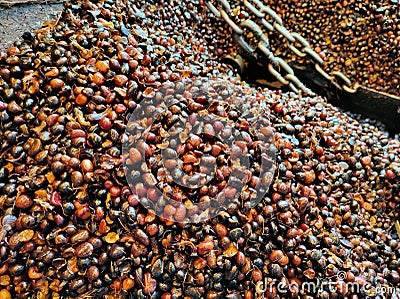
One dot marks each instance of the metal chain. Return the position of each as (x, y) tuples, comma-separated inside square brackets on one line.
[(272, 22)]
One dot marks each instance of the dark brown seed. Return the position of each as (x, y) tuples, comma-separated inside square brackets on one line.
[(93, 273), (142, 237), (84, 250), (116, 251), (80, 236)]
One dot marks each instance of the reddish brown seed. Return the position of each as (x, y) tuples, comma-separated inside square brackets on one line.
[(390, 174), (174, 77), (128, 284), (256, 275), (115, 191), (218, 125), (133, 200), (181, 149), (112, 115), (52, 119), (77, 133), (3, 268), (142, 237), (215, 150), (188, 168), (146, 60), (33, 273), (366, 161), (135, 156), (248, 294), (153, 193), (164, 76), (230, 248), (166, 295), (81, 99), (140, 189), (105, 123), (240, 258), (199, 279), (133, 64), (59, 220), (152, 229), (309, 177), (350, 276), (189, 158), (149, 284), (180, 213), (56, 83), (26, 235), (74, 162), (211, 259), (230, 192), (98, 78), (14, 241), (76, 178), (122, 55), (367, 206), (99, 213), (116, 285), (309, 273), (83, 212), (114, 63), (102, 66), (120, 80), (55, 199), (278, 108), (87, 165), (150, 217), (169, 210), (194, 140), (23, 201), (284, 260), (276, 255), (209, 130), (205, 247), (52, 73), (220, 230), (120, 108), (103, 228), (200, 263)]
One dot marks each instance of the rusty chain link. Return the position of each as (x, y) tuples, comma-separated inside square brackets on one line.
[(270, 20)]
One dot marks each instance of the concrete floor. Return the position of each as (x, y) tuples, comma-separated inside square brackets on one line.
[(16, 20)]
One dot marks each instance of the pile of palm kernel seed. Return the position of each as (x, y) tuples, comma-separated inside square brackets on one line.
[(71, 225)]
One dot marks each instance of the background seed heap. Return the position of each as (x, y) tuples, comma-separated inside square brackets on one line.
[(72, 227), (359, 38)]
